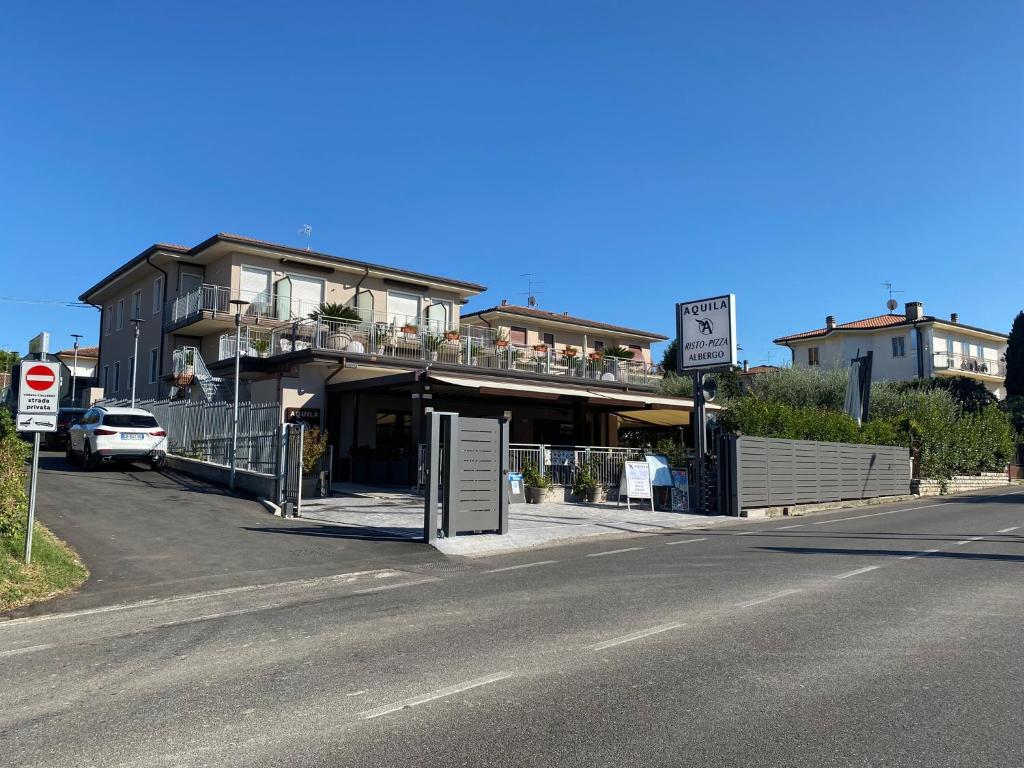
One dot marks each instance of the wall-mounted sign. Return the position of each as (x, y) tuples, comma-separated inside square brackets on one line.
[(706, 330), (308, 416)]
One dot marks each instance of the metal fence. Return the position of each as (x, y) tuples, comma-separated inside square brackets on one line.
[(562, 462), (202, 430)]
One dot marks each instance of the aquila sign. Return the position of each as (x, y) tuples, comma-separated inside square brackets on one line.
[(706, 330)]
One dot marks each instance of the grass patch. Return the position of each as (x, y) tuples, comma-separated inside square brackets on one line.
[(55, 569)]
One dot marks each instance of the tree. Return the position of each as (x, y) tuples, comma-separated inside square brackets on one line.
[(669, 358), (1015, 358)]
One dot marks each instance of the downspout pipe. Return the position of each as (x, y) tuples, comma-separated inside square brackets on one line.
[(163, 303), (366, 274), (920, 350)]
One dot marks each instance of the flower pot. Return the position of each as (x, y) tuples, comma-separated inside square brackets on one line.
[(502, 343), (452, 336), (534, 495), (590, 495), (309, 486), (409, 329), (540, 348)]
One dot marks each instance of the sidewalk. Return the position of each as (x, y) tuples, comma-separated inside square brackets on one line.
[(530, 525)]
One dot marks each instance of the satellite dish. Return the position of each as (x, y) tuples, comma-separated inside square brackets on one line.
[(892, 304), (710, 390)]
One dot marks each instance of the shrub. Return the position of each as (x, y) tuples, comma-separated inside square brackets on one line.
[(533, 478), (13, 499), (314, 446)]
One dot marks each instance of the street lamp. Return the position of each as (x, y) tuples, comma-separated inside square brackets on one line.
[(238, 305), (135, 356), (74, 372)]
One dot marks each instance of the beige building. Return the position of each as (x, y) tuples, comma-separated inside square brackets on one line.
[(363, 349), (906, 346)]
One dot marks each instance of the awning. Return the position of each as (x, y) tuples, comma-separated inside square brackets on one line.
[(656, 417), (634, 399), (493, 386)]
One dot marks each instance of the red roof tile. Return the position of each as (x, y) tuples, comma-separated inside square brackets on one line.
[(878, 321)]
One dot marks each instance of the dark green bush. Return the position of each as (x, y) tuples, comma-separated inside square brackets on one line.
[(13, 499)]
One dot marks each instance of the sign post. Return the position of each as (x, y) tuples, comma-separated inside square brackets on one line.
[(38, 401), (706, 341)]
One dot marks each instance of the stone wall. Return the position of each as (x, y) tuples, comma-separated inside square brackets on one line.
[(959, 483)]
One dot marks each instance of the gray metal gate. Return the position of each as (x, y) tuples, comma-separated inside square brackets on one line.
[(466, 468), (291, 469)]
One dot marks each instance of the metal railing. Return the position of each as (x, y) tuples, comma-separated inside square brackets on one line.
[(423, 340), (561, 463), (944, 361), (260, 305), (202, 430)]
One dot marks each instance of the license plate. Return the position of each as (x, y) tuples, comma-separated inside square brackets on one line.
[(131, 436)]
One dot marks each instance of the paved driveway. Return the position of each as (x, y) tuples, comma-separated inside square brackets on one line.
[(146, 534)]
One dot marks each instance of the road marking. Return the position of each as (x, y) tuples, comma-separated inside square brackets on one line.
[(859, 571), (415, 701), (787, 527), (635, 636), (524, 565), (919, 554), (745, 533), (776, 596), (319, 580), (1007, 530), (386, 587), (968, 541), (29, 649), (685, 541), (614, 552), (877, 514)]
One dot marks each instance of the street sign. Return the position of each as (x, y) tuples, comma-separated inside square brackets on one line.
[(34, 422), (39, 390), (39, 345), (706, 333)]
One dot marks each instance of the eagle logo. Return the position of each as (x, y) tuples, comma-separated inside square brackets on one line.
[(705, 326)]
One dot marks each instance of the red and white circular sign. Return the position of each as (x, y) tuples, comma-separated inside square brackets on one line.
[(40, 378)]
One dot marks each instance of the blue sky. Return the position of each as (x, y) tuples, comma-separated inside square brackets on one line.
[(629, 155)]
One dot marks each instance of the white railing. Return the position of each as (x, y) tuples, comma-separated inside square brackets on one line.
[(561, 463), (216, 299), (969, 364)]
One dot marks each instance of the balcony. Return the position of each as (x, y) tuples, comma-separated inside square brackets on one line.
[(419, 341), (968, 365), (212, 303)]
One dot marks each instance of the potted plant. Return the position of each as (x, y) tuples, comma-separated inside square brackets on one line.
[(314, 446), (541, 348), (594, 356), (570, 351), (452, 336), (410, 329), (432, 342), (535, 484), (585, 483), (501, 338), (260, 346), (332, 311), (619, 353)]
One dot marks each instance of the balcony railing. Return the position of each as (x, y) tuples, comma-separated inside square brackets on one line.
[(216, 299), (423, 340), (969, 364)]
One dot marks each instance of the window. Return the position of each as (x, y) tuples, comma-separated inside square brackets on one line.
[(965, 349), (598, 346), (254, 287), (136, 305), (106, 378), (812, 356), (549, 339), (949, 347), (439, 316), (638, 352), (189, 282), (307, 295), (364, 303), (117, 377), (899, 346), (130, 420), (403, 307), (158, 294), (110, 318), (517, 335), (393, 433), (154, 360), (120, 314)]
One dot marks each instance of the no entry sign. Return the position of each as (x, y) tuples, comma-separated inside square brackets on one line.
[(39, 392)]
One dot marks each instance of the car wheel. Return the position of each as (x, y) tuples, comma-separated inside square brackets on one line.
[(158, 463), (88, 459)]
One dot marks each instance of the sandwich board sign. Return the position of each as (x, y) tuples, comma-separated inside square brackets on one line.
[(706, 330), (38, 394), (635, 483)]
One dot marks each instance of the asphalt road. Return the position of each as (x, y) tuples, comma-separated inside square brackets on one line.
[(879, 636), (147, 535)]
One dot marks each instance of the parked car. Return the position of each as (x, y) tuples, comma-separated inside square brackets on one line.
[(107, 434), (65, 418)]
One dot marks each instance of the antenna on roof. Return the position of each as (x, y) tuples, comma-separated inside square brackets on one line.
[(531, 294), (307, 231), (891, 304)]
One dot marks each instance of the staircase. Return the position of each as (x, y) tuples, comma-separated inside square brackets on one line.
[(190, 369)]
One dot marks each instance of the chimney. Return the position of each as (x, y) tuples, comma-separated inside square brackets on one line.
[(504, 302), (830, 322), (915, 310), (746, 366), (954, 317)]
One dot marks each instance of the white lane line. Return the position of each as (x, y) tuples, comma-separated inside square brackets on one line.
[(614, 552), (857, 572), (787, 527), (1007, 530), (524, 565), (415, 701), (29, 649), (919, 554), (968, 541), (386, 587), (685, 541), (317, 581), (745, 533), (776, 596), (877, 514), (635, 636)]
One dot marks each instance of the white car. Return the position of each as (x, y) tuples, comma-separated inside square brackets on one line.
[(106, 434)]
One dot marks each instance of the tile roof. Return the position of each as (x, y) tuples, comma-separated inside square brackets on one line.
[(868, 323), (756, 369), (543, 314), (82, 352)]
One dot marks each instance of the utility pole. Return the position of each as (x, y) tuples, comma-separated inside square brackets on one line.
[(135, 356), (74, 372)]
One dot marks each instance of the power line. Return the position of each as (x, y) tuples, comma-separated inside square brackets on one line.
[(47, 302)]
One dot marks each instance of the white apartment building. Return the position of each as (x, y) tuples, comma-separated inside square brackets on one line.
[(906, 346)]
